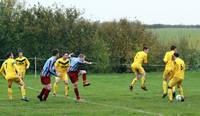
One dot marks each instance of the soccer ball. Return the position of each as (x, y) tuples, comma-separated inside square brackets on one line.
[(179, 98)]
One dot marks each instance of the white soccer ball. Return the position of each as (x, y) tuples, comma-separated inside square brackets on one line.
[(179, 98)]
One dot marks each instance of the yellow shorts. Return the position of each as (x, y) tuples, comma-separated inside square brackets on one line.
[(137, 69), (64, 77), (168, 73), (22, 73), (175, 81), (15, 79)]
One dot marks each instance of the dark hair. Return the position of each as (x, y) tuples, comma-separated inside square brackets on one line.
[(145, 48), (55, 52), (8, 54), (176, 54), (173, 47)]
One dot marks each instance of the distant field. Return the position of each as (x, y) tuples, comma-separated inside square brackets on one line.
[(107, 96), (177, 33)]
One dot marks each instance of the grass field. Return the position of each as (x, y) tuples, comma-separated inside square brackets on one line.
[(107, 96)]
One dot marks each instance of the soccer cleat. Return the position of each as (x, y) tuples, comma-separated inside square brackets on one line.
[(25, 99), (164, 95), (54, 94), (174, 95), (144, 88), (131, 88), (86, 84), (40, 98), (182, 99)]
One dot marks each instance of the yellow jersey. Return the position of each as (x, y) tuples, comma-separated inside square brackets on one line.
[(22, 63), (179, 68), (9, 69), (62, 65), (168, 60), (140, 58)]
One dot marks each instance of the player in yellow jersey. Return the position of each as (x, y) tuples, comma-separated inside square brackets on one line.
[(22, 64), (61, 67), (168, 72), (139, 59), (177, 78), (10, 71)]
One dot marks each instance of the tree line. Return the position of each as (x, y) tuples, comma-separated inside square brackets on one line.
[(112, 45)]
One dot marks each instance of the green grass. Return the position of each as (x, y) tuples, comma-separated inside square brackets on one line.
[(107, 96)]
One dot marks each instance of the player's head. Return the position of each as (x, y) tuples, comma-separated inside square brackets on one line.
[(9, 55), (82, 57), (55, 52), (173, 47), (20, 53), (65, 56), (146, 49), (176, 55)]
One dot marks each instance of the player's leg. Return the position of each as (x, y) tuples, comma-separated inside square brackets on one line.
[(180, 89), (143, 78), (166, 75), (74, 79), (134, 81), (84, 77), (20, 82), (47, 91), (10, 89), (55, 85), (65, 79), (171, 84)]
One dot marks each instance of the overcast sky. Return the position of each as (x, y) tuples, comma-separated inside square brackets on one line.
[(147, 11)]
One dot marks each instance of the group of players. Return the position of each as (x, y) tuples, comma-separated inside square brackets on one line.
[(173, 74), (66, 66), (62, 68)]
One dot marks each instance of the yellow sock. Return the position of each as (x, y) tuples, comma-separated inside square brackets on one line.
[(170, 94), (10, 93), (55, 88), (23, 91), (134, 81), (180, 90), (164, 85), (143, 81), (66, 90)]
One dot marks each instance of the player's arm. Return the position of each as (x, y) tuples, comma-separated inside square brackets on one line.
[(145, 59), (50, 68), (71, 54), (165, 59), (2, 70), (86, 62), (27, 64)]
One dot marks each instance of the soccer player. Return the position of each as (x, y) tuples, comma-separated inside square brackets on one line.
[(61, 67), (178, 77), (83, 72), (169, 66), (47, 71), (10, 71), (139, 59), (22, 64), (74, 70)]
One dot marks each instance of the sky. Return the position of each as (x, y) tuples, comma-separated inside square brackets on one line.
[(146, 11)]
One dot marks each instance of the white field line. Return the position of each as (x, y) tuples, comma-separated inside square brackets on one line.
[(107, 105)]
